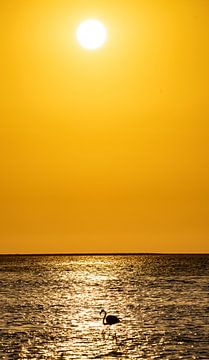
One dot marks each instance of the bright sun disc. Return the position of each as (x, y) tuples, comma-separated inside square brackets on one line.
[(91, 34)]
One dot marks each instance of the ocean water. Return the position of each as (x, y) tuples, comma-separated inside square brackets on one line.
[(50, 307)]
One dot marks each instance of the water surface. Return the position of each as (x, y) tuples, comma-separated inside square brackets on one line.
[(50, 307)]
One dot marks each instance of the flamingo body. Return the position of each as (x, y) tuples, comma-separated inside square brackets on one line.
[(109, 319)]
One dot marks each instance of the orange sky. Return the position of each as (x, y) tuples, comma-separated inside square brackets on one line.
[(104, 151)]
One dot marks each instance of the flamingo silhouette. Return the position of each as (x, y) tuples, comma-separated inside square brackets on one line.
[(109, 319)]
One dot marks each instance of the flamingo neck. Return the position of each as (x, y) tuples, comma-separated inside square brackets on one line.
[(105, 314)]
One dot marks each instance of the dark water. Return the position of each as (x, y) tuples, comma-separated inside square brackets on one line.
[(50, 307)]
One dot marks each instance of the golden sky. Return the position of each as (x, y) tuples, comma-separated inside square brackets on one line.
[(105, 150)]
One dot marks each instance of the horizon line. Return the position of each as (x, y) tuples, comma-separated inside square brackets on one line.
[(105, 254)]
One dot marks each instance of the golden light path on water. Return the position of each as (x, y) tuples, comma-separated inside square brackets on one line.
[(50, 307)]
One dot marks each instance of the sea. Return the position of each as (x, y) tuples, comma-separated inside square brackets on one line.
[(50, 307)]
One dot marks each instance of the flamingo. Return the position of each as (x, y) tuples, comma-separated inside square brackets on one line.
[(109, 319)]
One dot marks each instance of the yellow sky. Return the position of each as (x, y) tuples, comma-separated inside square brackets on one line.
[(104, 151)]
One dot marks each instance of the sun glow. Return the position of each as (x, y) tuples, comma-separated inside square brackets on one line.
[(91, 34)]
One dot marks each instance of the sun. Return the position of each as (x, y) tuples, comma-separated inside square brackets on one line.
[(91, 34)]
